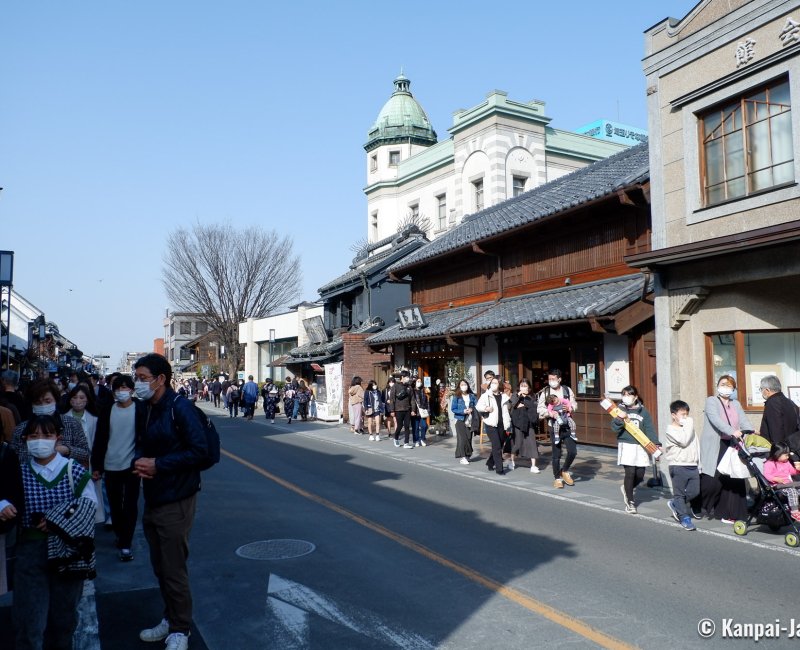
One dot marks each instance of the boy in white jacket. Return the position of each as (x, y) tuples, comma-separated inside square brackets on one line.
[(682, 451)]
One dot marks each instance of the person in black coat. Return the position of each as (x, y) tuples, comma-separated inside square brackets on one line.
[(780, 413), (12, 499)]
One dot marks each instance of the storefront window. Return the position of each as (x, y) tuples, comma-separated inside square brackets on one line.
[(588, 367), (750, 356)]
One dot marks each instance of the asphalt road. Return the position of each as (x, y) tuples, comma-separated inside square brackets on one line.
[(408, 556)]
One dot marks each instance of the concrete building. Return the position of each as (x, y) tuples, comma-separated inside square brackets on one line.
[(179, 329), (496, 150), (721, 83), (268, 340)]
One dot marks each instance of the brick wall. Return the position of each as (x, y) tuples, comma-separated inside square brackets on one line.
[(358, 360)]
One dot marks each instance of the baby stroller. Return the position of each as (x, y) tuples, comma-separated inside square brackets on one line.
[(771, 508)]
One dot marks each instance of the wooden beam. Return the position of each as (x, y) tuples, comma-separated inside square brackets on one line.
[(633, 315)]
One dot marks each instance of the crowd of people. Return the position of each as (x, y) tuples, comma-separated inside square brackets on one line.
[(76, 452), (513, 419)]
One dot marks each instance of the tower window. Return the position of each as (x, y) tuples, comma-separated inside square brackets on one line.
[(373, 163), (441, 215), (518, 185), (394, 158), (478, 191)]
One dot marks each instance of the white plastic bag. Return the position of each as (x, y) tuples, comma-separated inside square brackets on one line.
[(731, 465)]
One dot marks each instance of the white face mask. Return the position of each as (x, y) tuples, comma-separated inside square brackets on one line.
[(463, 388), (725, 391), (683, 421), (143, 390), (41, 448), (122, 395), (44, 409), (494, 387), (629, 400), (419, 384), (71, 385), (524, 389), (554, 384)]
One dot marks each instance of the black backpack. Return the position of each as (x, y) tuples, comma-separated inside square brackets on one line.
[(212, 437)]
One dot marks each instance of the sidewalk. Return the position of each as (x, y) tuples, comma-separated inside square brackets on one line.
[(597, 476)]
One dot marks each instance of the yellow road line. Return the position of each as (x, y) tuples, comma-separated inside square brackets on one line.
[(550, 613)]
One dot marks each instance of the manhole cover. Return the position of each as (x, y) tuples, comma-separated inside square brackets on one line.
[(275, 549)]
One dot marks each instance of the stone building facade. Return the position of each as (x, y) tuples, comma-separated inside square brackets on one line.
[(722, 82)]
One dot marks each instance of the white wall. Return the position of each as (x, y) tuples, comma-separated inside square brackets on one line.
[(617, 363)]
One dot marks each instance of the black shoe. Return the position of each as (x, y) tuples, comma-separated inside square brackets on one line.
[(501, 473), (490, 468)]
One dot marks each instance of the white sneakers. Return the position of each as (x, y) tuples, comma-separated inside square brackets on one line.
[(423, 443), (534, 469), (177, 641), (464, 461), (157, 633), (371, 438), (408, 445)]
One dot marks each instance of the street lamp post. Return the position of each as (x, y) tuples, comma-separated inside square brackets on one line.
[(7, 281), (271, 343)]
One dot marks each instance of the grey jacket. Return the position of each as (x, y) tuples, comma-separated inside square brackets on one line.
[(717, 431)]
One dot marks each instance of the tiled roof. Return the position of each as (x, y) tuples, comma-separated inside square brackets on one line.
[(624, 169), (315, 351), (318, 351), (439, 322), (593, 299), (374, 263)]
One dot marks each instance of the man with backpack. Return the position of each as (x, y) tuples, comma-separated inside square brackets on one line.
[(561, 474), (172, 446), (249, 397)]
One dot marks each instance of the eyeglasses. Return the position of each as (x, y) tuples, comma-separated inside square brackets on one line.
[(143, 378)]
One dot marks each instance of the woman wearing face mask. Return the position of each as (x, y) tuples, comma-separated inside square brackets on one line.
[(45, 605), (523, 422), (43, 397), (373, 408), (112, 459), (420, 406), (82, 409), (462, 406), (388, 400), (493, 406), (721, 496), (630, 454)]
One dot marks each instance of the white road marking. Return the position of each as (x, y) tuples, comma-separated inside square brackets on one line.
[(87, 634), (291, 603)]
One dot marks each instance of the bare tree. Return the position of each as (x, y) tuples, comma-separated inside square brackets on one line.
[(228, 274)]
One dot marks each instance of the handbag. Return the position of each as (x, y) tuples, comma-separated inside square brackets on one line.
[(368, 411), (731, 465), (423, 413)]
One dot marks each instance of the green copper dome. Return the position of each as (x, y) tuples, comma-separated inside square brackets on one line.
[(401, 120)]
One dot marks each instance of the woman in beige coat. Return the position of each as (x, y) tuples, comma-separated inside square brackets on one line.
[(356, 405)]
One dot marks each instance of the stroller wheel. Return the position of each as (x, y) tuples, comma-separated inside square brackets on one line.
[(791, 540), (740, 527)]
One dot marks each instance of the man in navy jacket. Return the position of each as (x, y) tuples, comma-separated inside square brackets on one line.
[(170, 445)]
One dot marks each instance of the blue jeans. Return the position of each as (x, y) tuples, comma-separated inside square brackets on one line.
[(295, 408), (419, 427)]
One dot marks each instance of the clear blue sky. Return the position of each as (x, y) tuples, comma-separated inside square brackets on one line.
[(121, 121)]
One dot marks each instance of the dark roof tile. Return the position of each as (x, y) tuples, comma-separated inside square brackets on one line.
[(626, 168)]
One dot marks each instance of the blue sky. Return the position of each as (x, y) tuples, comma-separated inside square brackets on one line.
[(122, 121)]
